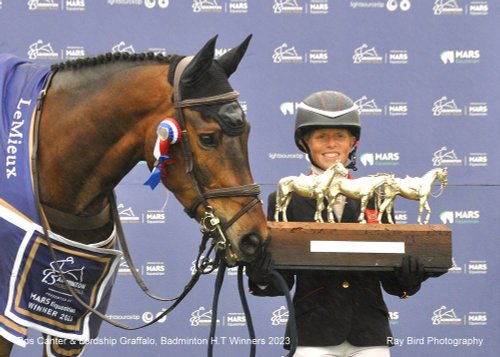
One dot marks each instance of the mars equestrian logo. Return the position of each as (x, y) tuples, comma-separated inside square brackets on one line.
[(460, 56), (477, 267), (380, 159), (460, 217), (74, 52)]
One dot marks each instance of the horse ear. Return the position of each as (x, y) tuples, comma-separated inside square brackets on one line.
[(200, 63), (230, 60)]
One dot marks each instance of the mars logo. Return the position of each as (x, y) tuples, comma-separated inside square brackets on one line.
[(478, 8), (478, 109), (398, 109), (74, 52), (398, 57), (380, 159), (75, 5), (477, 319), (460, 217), (477, 267), (238, 7), (478, 159), (280, 316), (155, 268), (318, 56), (236, 319), (317, 7), (460, 56)]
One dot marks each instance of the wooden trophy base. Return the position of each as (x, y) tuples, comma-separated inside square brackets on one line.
[(352, 246)]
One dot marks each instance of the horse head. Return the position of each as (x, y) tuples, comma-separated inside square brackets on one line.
[(211, 175), (442, 176), (118, 109)]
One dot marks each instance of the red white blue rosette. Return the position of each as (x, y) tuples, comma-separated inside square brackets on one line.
[(168, 132)]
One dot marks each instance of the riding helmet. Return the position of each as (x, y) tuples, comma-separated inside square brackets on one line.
[(327, 109)]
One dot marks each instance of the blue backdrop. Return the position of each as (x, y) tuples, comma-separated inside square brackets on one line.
[(425, 75)]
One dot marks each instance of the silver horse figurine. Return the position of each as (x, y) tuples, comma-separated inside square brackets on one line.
[(312, 186), (413, 188), (362, 189)]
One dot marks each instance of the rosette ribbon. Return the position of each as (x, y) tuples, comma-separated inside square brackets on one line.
[(168, 132)]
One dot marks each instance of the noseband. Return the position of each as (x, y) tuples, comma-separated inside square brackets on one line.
[(211, 224)]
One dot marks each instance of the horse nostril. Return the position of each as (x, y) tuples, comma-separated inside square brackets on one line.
[(250, 243)]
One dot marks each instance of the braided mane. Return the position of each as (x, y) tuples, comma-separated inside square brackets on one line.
[(113, 58)]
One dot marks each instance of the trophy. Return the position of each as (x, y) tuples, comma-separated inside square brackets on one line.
[(351, 246)]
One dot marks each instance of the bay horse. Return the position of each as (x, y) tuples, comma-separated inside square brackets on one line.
[(309, 186), (100, 116), (362, 188), (412, 188)]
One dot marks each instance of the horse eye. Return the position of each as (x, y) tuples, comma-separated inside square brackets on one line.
[(208, 140)]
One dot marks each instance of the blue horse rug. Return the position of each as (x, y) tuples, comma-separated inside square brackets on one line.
[(32, 292)]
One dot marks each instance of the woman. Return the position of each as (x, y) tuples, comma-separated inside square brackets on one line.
[(338, 313)]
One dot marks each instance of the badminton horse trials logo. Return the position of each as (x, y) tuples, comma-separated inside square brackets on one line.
[(74, 276)]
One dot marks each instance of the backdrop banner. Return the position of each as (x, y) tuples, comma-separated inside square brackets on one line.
[(425, 77)]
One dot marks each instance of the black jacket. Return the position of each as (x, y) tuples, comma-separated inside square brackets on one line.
[(334, 306)]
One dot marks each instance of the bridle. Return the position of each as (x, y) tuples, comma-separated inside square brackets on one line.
[(210, 224)]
